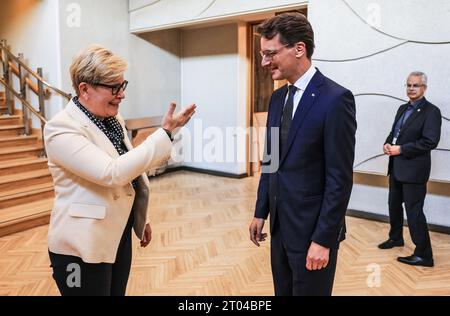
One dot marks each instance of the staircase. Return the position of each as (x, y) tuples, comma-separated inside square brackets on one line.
[(26, 186)]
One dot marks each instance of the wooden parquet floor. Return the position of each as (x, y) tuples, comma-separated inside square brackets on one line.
[(200, 247)]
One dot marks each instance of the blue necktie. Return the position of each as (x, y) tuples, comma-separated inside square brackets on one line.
[(286, 120), (399, 125)]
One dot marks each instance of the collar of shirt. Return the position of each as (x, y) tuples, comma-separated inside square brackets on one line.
[(416, 103), (301, 85), (304, 80)]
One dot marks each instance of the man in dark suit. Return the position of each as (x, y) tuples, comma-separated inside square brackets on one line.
[(307, 171), (415, 132)]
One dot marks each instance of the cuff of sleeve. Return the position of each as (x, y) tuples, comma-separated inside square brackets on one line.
[(168, 134), (327, 240), (263, 215)]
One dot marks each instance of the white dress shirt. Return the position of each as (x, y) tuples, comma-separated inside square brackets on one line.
[(301, 85)]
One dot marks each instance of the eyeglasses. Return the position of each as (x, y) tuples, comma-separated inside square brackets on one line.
[(115, 89), (269, 54), (413, 86)]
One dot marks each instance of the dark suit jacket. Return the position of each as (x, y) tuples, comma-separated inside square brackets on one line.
[(309, 191), (419, 135)]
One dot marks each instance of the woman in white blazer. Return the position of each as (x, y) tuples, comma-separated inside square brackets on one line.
[(101, 189)]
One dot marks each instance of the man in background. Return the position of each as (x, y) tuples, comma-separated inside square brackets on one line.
[(415, 132)]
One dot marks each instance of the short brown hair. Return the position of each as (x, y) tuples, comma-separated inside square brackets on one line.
[(293, 27), (96, 64)]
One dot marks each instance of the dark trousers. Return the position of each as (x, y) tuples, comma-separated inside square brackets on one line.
[(290, 276), (77, 278), (413, 195)]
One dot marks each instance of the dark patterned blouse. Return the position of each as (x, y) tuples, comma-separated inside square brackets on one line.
[(111, 127)]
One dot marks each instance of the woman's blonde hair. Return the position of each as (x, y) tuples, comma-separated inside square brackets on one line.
[(96, 64)]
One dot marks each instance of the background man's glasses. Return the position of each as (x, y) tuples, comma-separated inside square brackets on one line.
[(115, 89), (413, 86)]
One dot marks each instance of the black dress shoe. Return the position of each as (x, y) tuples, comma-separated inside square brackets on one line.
[(390, 243), (416, 261)]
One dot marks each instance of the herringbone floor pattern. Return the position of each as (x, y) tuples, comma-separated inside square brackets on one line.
[(200, 247)]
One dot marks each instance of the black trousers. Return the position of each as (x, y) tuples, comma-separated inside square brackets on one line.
[(413, 195), (77, 278), (290, 276)]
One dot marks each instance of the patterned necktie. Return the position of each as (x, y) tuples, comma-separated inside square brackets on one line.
[(286, 120)]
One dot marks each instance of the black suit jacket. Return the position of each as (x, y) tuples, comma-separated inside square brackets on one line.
[(419, 135), (309, 191)]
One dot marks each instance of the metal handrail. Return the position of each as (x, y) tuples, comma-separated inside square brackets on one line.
[(25, 102), (33, 73)]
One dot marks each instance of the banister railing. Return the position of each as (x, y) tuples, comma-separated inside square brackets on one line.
[(16, 65), (25, 102), (36, 75), (26, 105), (15, 70), (29, 107)]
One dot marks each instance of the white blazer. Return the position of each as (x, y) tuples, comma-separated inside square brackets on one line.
[(93, 191)]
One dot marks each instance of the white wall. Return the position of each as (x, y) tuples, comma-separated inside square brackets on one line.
[(154, 63), (155, 72), (147, 15), (212, 69), (354, 40), (343, 35), (34, 31), (51, 32)]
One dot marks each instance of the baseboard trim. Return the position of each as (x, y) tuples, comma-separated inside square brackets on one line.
[(206, 171), (385, 219)]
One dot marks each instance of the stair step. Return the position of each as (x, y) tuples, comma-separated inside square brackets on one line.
[(14, 181), (21, 217), (19, 165), (21, 140), (26, 195), (11, 130), (10, 120), (21, 190), (10, 153)]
